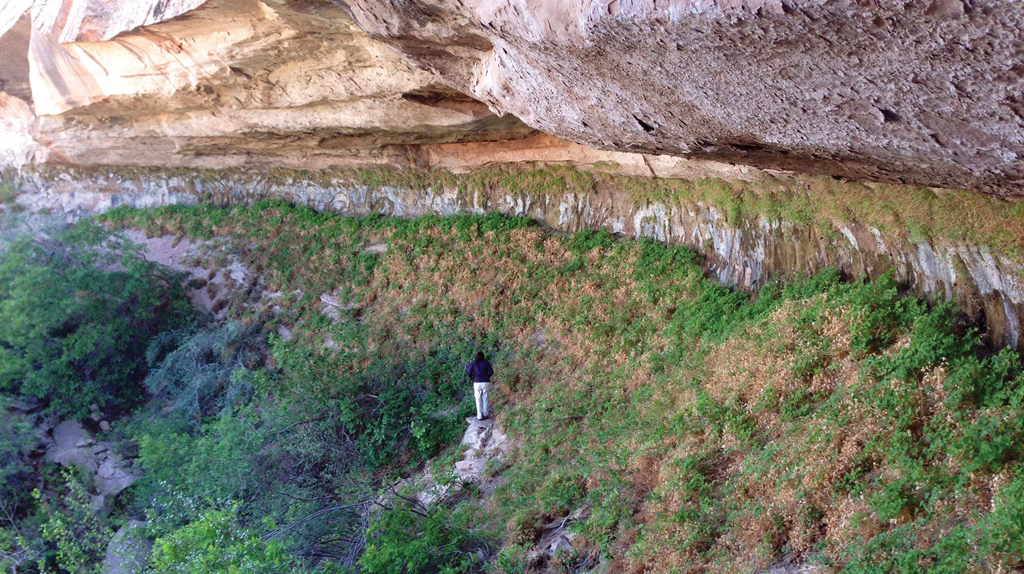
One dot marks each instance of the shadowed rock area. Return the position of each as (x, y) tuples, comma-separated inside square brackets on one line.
[(923, 92)]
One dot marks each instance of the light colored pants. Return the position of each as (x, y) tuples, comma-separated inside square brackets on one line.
[(480, 394)]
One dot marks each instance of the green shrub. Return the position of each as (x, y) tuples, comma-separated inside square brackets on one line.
[(74, 527), (405, 540), (1007, 523), (8, 194), (216, 543), (76, 314), (17, 440), (216, 464), (204, 372)]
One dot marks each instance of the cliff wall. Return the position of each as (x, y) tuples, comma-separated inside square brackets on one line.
[(742, 247), (895, 91), (876, 91)]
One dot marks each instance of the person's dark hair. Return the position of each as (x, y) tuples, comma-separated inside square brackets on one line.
[(480, 355)]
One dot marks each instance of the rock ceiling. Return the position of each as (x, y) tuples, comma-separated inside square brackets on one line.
[(925, 92)]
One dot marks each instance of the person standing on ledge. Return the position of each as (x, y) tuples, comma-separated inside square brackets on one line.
[(480, 372)]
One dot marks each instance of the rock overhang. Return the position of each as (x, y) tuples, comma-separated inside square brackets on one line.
[(925, 93)]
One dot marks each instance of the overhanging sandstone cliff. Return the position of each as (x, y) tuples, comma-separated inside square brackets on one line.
[(892, 92), (230, 83), (928, 92), (925, 93)]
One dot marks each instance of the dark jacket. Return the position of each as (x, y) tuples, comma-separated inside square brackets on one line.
[(479, 371)]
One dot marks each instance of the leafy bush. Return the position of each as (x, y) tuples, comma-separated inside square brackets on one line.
[(1007, 522), (76, 314), (73, 527), (216, 543), (17, 439), (206, 468), (398, 408), (404, 540)]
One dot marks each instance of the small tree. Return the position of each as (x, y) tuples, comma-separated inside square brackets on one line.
[(73, 526), (413, 540), (77, 311)]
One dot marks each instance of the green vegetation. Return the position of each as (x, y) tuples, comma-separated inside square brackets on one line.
[(78, 308), (76, 534), (671, 424), (8, 193), (817, 202), (216, 543), (822, 203), (76, 315), (421, 541), (16, 439), (685, 426)]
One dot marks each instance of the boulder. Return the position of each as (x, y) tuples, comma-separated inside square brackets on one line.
[(25, 405), (470, 470), (128, 551), (72, 446), (113, 475), (474, 436)]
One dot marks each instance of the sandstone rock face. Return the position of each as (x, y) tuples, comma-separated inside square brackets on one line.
[(928, 92), (895, 90), (91, 20), (17, 124), (230, 83)]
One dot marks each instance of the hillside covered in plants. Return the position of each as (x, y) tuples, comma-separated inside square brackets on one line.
[(661, 421)]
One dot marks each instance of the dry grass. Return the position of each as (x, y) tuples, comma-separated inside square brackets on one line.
[(693, 453)]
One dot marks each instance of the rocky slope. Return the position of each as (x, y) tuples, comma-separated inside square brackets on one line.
[(743, 247), (923, 92)]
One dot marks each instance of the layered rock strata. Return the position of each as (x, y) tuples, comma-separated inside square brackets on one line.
[(986, 286), (928, 92), (885, 91), (230, 83)]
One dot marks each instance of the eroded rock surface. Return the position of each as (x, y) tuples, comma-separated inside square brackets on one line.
[(486, 443), (128, 551), (925, 92), (232, 82), (91, 20), (73, 445), (207, 289)]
